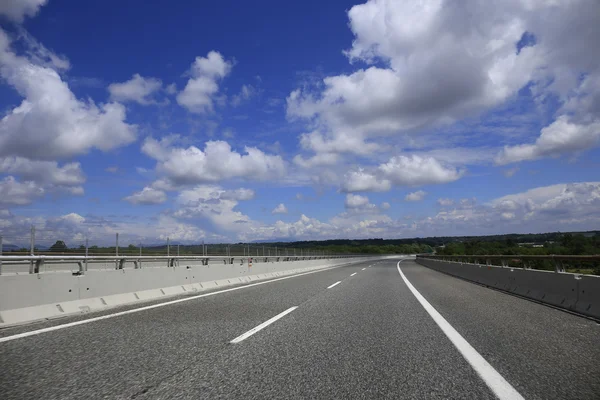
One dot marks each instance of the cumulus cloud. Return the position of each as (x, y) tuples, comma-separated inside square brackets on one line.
[(423, 64), (562, 136), (137, 89), (280, 209), (445, 202), (197, 96), (147, 196), (214, 205), (355, 201), (363, 181), (43, 172), (415, 196), (51, 115), (415, 170), (217, 162), (245, 94), (15, 193), (17, 10), (385, 205)]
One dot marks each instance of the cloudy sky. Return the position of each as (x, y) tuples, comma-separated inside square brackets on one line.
[(241, 121)]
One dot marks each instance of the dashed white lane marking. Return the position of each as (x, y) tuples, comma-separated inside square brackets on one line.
[(167, 303), (353, 274), (335, 284), (263, 325), (363, 269), (497, 384)]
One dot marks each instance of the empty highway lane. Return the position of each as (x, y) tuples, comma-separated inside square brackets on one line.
[(384, 329)]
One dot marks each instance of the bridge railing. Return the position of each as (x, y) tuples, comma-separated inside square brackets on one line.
[(80, 263), (558, 263)]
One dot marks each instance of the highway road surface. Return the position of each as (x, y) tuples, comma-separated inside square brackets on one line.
[(365, 331)]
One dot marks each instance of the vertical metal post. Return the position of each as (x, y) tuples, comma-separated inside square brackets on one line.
[(117, 250), (0, 254), (32, 241), (86, 253), (31, 249), (140, 249)]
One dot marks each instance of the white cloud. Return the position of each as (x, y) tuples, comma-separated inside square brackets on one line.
[(138, 89), (245, 94), (356, 201), (280, 209), (64, 125), (197, 96), (43, 172), (415, 170), (171, 89), (17, 10), (445, 202), (216, 163), (147, 196), (430, 63), (415, 196), (15, 193), (215, 205), (509, 173), (112, 169), (363, 181), (317, 160), (562, 136), (385, 205)]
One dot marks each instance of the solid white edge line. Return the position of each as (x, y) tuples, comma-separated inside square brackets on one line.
[(494, 381), (263, 325), (335, 284), (167, 303), (353, 274)]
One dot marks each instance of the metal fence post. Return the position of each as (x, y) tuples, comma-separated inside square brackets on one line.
[(117, 250), (31, 249), (86, 253)]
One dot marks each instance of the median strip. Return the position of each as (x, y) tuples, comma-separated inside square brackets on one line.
[(263, 325)]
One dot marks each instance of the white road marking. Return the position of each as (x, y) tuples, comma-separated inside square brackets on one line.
[(353, 274), (363, 269), (497, 384), (263, 325), (167, 303), (335, 284)]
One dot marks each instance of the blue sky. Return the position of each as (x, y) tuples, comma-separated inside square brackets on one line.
[(237, 121)]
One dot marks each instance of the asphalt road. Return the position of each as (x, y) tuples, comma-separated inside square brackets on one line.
[(367, 336)]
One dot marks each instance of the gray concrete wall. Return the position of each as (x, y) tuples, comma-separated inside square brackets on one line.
[(29, 297), (579, 293)]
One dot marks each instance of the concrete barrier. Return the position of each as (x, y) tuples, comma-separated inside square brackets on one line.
[(31, 297), (574, 292)]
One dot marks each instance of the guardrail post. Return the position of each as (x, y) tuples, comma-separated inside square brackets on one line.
[(558, 266)]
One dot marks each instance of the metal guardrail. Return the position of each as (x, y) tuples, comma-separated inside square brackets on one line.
[(36, 262), (524, 260)]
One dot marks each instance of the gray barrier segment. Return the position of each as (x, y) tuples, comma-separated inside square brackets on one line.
[(578, 293), (31, 297)]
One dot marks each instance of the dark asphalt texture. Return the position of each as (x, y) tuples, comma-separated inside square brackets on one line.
[(367, 337)]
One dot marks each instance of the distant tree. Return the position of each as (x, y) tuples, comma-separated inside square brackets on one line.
[(132, 247), (58, 246)]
